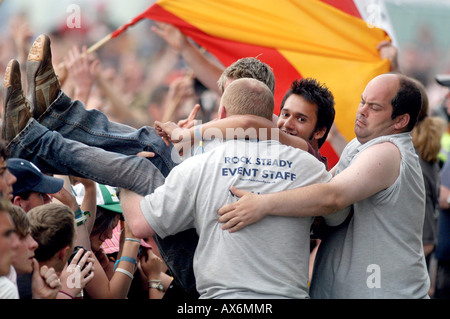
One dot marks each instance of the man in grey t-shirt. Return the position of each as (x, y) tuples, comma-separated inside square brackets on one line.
[(379, 252), (268, 260)]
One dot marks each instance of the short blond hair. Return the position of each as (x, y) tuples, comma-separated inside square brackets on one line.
[(248, 96), (248, 68)]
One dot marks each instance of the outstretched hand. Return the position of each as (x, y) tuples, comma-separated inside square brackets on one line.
[(171, 132), (190, 120), (249, 209), (390, 52), (171, 35)]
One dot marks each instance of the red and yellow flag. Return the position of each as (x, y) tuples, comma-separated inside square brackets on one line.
[(324, 39)]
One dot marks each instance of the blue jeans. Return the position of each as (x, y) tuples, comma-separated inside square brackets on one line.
[(54, 154), (59, 145), (73, 121)]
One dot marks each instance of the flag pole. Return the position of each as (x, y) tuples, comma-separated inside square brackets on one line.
[(99, 44)]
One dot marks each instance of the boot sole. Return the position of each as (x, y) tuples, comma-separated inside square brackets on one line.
[(35, 57), (13, 65), (37, 49), (7, 78), (7, 92)]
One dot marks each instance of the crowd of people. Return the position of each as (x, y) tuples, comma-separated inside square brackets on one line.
[(104, 196)]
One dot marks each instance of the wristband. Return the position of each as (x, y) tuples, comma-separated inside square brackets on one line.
[(81, 217), (133, 239), (65, 293), (125, 258), (126, 272), (78, 213), (81, 220), (129, 259), (200, 144)]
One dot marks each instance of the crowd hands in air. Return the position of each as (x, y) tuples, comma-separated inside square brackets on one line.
[(122, 240)]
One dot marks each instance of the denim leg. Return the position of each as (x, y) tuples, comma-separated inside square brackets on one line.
[(54, 154), (178, 254), (73, 121)]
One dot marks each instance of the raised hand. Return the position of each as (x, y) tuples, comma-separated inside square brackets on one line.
[(190, 120), (171, 35), (45, 282)]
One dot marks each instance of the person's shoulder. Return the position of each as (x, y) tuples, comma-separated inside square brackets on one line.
[(383, 146), (381, 153), (7, 289)]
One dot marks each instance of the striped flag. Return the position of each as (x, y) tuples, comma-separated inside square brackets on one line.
[(324, 39)]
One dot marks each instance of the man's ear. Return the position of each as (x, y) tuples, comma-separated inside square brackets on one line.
[(401, 122), (223, 113), (64, 253), (17, 201), (318, 134)]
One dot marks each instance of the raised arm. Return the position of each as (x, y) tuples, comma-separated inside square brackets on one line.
[(131, 207), (205, 70), (239, 126), (375, 169)]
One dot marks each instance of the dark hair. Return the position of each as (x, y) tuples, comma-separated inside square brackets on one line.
[(408, 100), (103, 220), (314, 92), (25, 195)]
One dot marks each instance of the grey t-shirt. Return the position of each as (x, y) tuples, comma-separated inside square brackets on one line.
[(379, 252), (268, 259)]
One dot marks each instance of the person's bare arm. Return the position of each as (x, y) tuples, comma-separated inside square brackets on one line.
[(131, 206), (80, 67), (390, 52), (239, 126), (89, 203), (375, 169), (205, 70)]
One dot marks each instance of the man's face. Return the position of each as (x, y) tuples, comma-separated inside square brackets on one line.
[(6, 180), (8, 242), (373, 117), (299, 118), (35, 199), (23, 260)]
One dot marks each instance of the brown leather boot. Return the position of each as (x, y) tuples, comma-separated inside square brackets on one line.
[(43, 84), (16, 111)]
